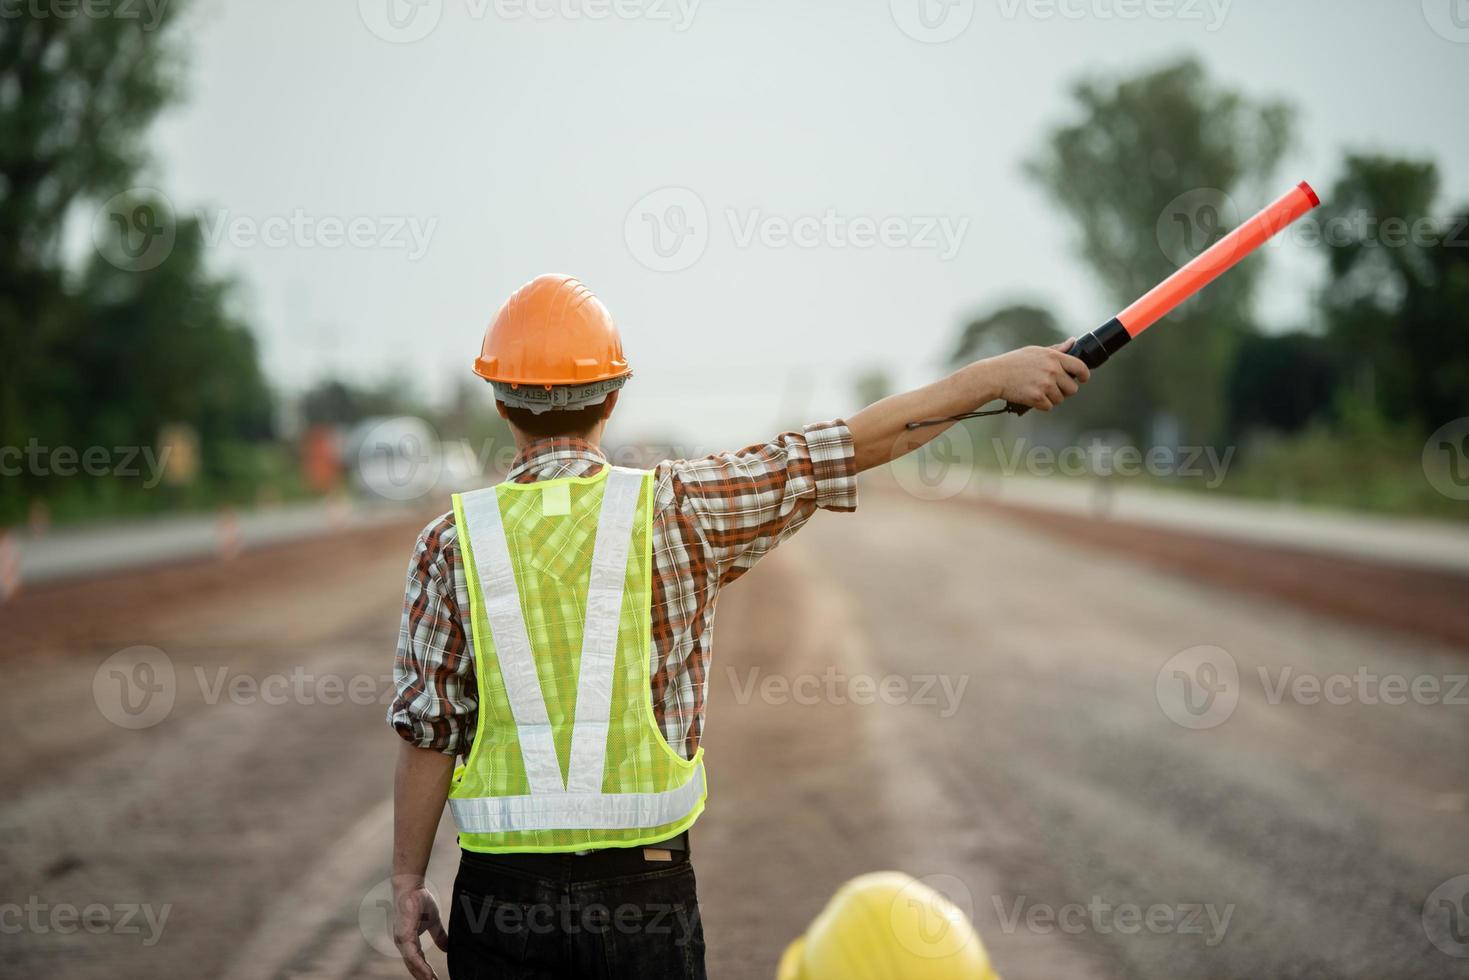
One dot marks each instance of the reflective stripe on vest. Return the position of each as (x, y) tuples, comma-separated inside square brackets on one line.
[(578, 803)]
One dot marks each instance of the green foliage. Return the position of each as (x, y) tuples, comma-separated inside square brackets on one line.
[(334, 401), (103, 356), (1007, 328), (1399, 293), (872, 386), (162, 346), (1378, 469), (1149, 174), (1152, 171), (75, 96), (1283, 382)]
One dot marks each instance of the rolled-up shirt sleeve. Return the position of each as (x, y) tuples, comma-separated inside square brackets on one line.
[(745, 503), (434, 699)]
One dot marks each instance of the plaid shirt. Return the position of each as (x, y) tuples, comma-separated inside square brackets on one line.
[(713, 519)]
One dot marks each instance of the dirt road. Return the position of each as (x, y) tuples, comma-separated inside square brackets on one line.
[(928, 687)]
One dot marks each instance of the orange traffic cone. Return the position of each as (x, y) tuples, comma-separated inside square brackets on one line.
[(9, 566), (40, 519), (229, 542)]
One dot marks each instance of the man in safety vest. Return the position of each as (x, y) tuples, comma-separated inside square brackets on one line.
[(556, 638)]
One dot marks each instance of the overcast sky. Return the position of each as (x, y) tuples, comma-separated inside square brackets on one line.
[(770, 196)]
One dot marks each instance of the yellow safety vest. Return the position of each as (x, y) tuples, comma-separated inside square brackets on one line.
[(567, 755)]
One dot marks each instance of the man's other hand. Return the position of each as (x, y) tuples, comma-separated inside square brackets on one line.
[(414, 911)]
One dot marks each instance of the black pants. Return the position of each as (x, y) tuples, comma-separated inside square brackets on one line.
[(611, 914)]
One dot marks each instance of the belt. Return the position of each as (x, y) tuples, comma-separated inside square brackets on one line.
[(606, 862)]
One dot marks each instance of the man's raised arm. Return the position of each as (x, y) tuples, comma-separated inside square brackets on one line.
[(1038, 377)]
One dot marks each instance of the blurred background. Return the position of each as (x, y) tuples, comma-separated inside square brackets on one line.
[(1170, 682)]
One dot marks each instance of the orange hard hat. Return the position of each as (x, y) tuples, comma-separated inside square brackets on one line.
[(551, 331)]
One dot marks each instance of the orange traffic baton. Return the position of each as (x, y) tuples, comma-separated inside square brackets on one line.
[(1097, 347)]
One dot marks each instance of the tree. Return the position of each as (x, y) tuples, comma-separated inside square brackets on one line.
[(1399, 288), (76, 95), (1155, 170), (108, 353), (1283, 382), (161, 346), (1006, 328), (872, 385)]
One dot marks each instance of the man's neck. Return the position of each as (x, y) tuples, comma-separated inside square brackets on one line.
[(524, 440)]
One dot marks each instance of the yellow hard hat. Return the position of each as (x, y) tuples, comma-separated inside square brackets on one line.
[(888, 926)]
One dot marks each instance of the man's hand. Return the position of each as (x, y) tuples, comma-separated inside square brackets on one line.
[(1039, 377), (414, 911), (420, 786)]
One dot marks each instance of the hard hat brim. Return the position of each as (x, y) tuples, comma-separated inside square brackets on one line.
[(489, 371)]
